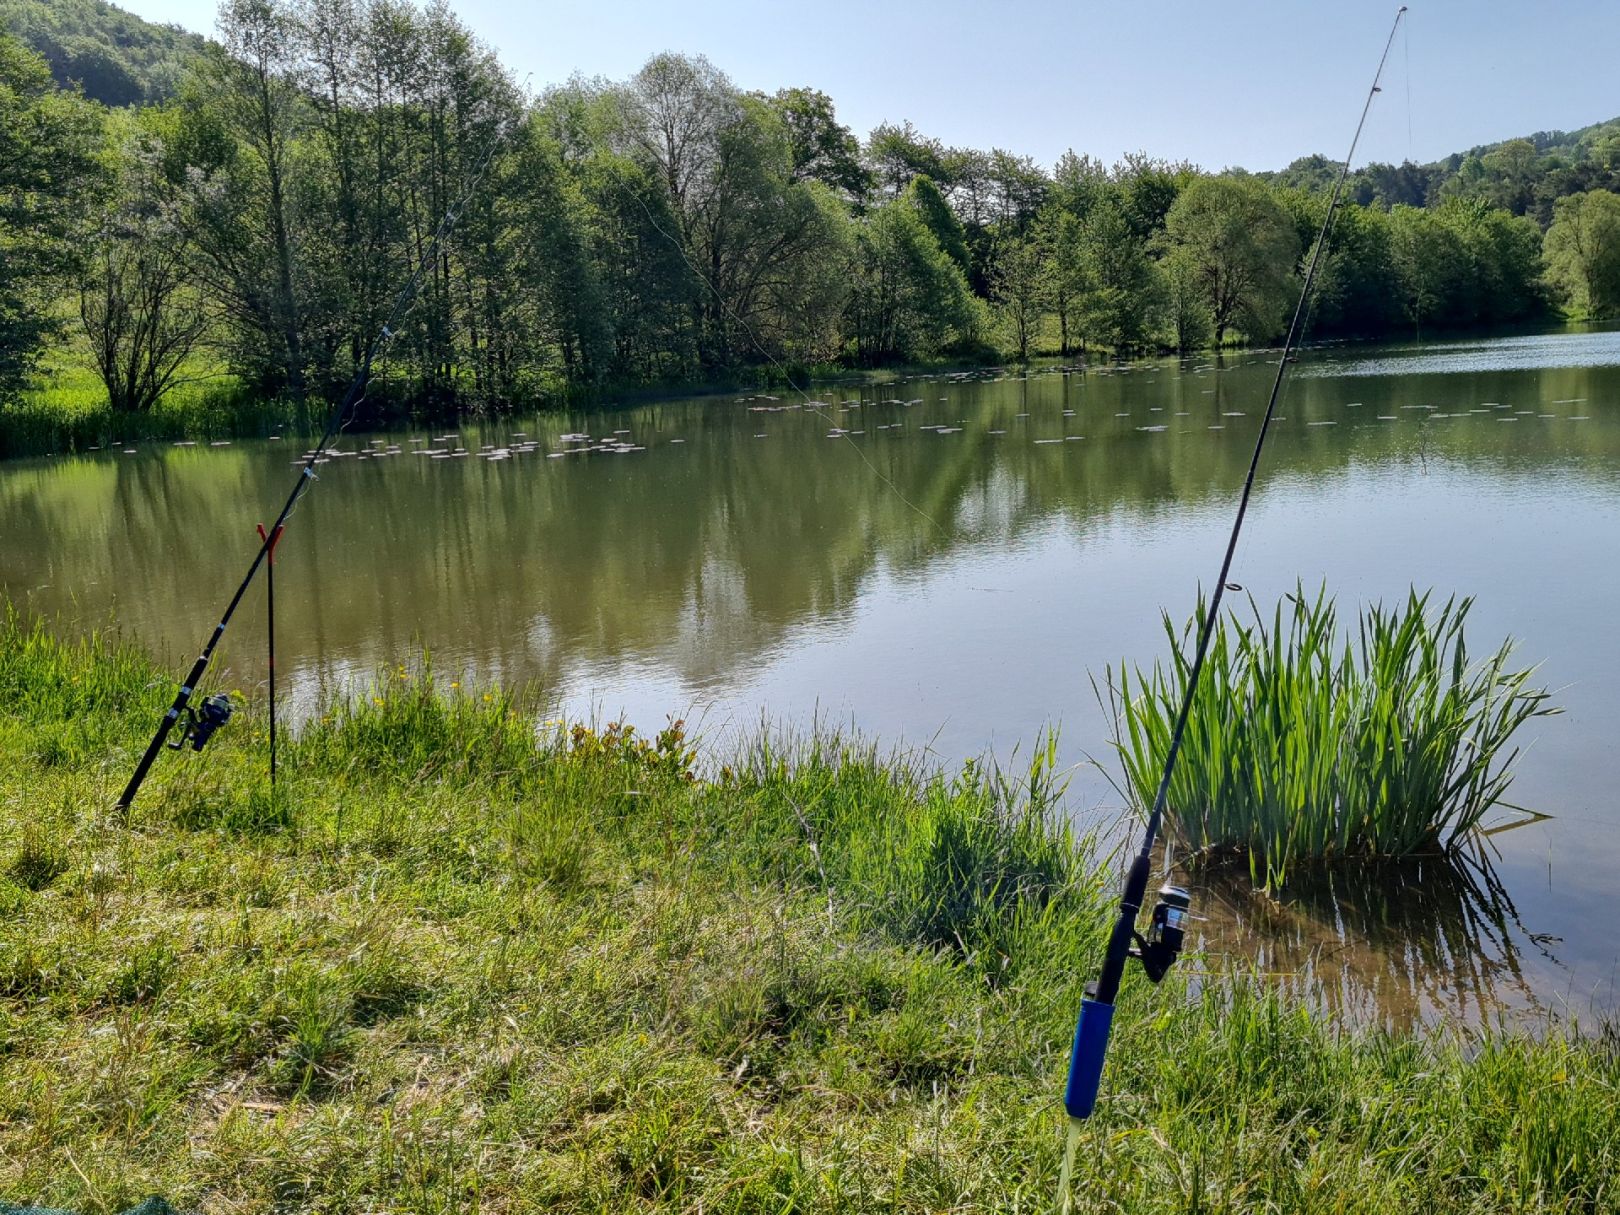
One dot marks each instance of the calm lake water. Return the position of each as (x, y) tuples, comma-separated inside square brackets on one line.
[(943, 562)]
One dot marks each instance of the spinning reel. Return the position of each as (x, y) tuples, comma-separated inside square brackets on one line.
[(201, 723), (1166, 932)]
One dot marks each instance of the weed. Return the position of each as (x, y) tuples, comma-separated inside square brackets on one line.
[(1304, 745)]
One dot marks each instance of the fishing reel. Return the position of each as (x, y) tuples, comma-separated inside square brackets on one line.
[(1166, 932), (201, 723)]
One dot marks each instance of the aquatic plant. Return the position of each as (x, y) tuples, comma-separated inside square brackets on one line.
[(1304, 743)]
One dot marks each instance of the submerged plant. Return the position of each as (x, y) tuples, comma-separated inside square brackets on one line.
[(1304, 743)]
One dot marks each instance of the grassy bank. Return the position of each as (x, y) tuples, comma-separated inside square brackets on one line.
[(68, 410), (462, 962)]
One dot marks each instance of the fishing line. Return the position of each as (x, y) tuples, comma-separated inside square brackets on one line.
[(1406, 52), (1159, 949), (1156, 816), (809, 402), (216, 710)]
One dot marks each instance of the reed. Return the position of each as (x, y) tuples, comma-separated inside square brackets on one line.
[(1305, 743)]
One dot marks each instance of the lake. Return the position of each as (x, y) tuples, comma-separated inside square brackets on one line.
[(945, 563)]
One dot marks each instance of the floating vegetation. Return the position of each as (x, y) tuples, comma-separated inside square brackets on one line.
[(1305, 745)]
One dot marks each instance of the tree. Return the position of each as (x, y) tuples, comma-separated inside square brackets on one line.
[(1241, 246), (908, 298), (50, 178), (1428, 261), (1186, 309), (1583, 252), (1123, 293), (1510, 175), (245, 111), (1147, 189), (1059, 231), (1020, 187), (923, 196), (137, 303), (555, 262), (898, 153), (1019, 289), (823, 149), (763, 245)]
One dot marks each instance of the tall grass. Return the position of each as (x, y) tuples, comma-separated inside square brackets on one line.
[(69, 411), (1304, 743), (480, 961)]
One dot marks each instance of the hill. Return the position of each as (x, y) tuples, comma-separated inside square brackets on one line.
[(1526, 175), (115, 56)]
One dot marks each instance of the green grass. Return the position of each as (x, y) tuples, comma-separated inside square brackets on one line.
[(68, 411), (1304, 745), (466, 959)]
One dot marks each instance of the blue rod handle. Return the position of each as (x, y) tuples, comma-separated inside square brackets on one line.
[(1086, 1063)]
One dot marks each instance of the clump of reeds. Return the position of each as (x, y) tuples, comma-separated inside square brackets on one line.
[(1306, 743)]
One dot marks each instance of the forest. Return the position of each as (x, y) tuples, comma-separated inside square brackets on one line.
[(253, 205)]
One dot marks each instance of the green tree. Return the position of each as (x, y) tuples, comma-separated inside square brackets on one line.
[(137, 302), (908, 298), (823, 149), (923, 196), (1241, 245), (1510, 175), (244, 111), (899, 153), (1123, 293), (1583, 252), (1060, 233), (1186, 308), (1502, 262), (764, 247), (1428, 260), (50, 179), (1020, 290), (1020, 189)]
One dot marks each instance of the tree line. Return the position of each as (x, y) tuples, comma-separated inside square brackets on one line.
[(665, 229)]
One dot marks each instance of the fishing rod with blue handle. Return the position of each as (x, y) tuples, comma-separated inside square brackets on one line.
[(200, 724), (1158, 949)]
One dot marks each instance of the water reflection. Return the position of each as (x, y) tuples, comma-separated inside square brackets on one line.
[(1391, 943), (941, 561)]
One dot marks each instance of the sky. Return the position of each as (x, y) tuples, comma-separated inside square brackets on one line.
[(1251, 83)]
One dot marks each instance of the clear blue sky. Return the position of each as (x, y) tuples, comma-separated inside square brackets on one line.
[(1244, 82)]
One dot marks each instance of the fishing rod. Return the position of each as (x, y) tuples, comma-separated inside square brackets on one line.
[(200, 724), (1158, 950)]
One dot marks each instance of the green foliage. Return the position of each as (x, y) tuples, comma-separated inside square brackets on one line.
[(50, 176), (113, 55), (1583, 253), (823, 149), (924, 198), (898, 155), (1302, 747), (908, 298), (1238, 244), (1119, 301), (1020, 290), (664, 230)]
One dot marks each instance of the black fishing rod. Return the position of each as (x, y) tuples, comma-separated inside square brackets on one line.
[(1158, 950), (216, 710)]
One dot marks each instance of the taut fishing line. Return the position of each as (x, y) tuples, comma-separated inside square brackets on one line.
[(1159, 949), (216, 710)]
